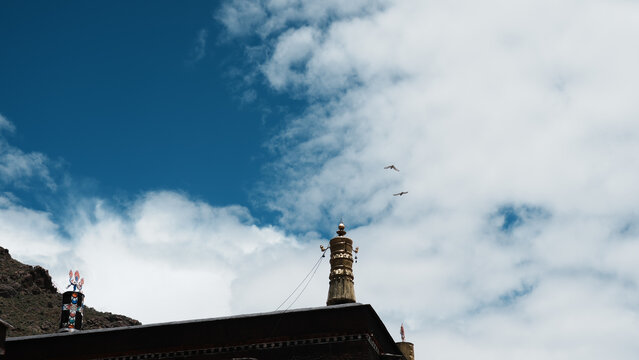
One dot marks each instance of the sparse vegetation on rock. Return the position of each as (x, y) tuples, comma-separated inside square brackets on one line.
[(31, 303)]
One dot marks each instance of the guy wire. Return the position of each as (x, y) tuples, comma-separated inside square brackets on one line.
[(313, 271)]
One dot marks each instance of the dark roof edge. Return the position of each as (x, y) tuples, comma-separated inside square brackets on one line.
[(383, 326), (271, 313)]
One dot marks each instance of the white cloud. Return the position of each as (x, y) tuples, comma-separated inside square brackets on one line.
[(199, 49), (248, 96), (246, 17), (239, 16), (177, 257), (6, 124), (30, 235), (483, 107), (18, 168), (165, 250), (292, 51)]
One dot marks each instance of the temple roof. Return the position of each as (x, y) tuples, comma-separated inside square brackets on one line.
[(356, 325)]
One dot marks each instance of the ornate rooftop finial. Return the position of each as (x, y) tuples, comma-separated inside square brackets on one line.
[(341, 228), (341, 289), (407, 348), (75, 281), (72, 304)]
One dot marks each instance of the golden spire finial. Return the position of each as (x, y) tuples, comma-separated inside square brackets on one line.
[(341, 228), (341, 289)]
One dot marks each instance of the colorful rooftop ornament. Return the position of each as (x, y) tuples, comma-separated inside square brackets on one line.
[(75, 281), (72, 304), (74, 307)]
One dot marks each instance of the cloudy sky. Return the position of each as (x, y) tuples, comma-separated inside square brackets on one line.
[(200, 152)]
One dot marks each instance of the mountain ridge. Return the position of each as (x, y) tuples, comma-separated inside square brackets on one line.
[(31, 303)]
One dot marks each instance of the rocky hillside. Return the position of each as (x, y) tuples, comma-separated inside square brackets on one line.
[(31, 303)]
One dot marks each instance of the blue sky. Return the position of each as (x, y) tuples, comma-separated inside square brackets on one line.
[(214, 146), (125, 106)]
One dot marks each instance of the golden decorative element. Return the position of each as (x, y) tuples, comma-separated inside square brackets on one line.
[(345, 272), (342, 256), (341, 287), (341, 228)]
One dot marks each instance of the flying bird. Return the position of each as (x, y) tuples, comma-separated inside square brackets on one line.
[(401, 193), (391, 167)]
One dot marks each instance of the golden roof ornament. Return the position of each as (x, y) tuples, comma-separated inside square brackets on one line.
[(341, 228), (341, 288)]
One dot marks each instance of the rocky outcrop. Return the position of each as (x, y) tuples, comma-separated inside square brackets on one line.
[(31, 303)]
